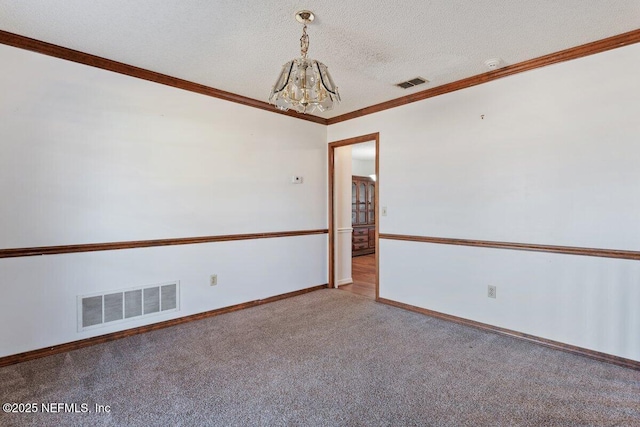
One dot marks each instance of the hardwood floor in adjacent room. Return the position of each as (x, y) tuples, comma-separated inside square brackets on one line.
[(363, 272)]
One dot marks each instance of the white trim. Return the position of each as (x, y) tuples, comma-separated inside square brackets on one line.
[(346, 281), (345, 230)]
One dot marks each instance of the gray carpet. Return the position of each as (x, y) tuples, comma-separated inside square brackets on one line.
[(326, 358)]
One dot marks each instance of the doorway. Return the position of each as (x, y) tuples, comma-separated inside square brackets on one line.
[(353, 215)]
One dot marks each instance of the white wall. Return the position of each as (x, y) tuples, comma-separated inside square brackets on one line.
[(90, 156), (342, 209), (363, 167), (554, 161)]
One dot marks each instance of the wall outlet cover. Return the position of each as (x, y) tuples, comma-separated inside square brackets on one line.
[(491, 293)]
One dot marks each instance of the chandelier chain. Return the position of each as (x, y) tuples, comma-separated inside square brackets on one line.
[(304, 42)]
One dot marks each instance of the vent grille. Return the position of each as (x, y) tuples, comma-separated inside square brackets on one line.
[(98, 310), (413, 82)]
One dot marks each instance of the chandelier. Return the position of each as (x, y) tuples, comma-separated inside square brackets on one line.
[(304, 84)]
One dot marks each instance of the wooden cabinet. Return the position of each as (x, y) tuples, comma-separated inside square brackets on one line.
[(363, 211)]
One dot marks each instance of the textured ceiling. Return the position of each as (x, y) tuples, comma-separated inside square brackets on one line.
[(239, 46)]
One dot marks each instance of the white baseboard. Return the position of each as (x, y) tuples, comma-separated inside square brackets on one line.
[(346, 281)]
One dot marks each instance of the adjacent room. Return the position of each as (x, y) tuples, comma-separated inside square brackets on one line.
[(354, 214), (429, 218)]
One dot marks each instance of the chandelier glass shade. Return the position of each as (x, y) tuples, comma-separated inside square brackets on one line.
[(304, 84)]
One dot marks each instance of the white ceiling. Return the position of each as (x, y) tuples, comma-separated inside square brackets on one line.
[(239, 46)]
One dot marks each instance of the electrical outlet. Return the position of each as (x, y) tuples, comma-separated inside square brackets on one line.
[(491, 292), (213, 280)]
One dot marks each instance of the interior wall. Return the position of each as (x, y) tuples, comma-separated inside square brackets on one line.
[(546, 157), (90, 156), (342, 210), (363, 167)]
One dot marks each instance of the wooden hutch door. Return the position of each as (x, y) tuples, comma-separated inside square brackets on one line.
[(363, 217)]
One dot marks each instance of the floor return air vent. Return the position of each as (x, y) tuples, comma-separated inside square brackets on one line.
[(96, 310)]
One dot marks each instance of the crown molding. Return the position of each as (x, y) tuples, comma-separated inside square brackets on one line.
[(22, 42), (50, 49), (587, 49)]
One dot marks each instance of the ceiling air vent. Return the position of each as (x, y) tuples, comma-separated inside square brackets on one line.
[(413, 82)]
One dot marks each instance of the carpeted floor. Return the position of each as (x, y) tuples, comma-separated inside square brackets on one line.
[(326, 358)]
